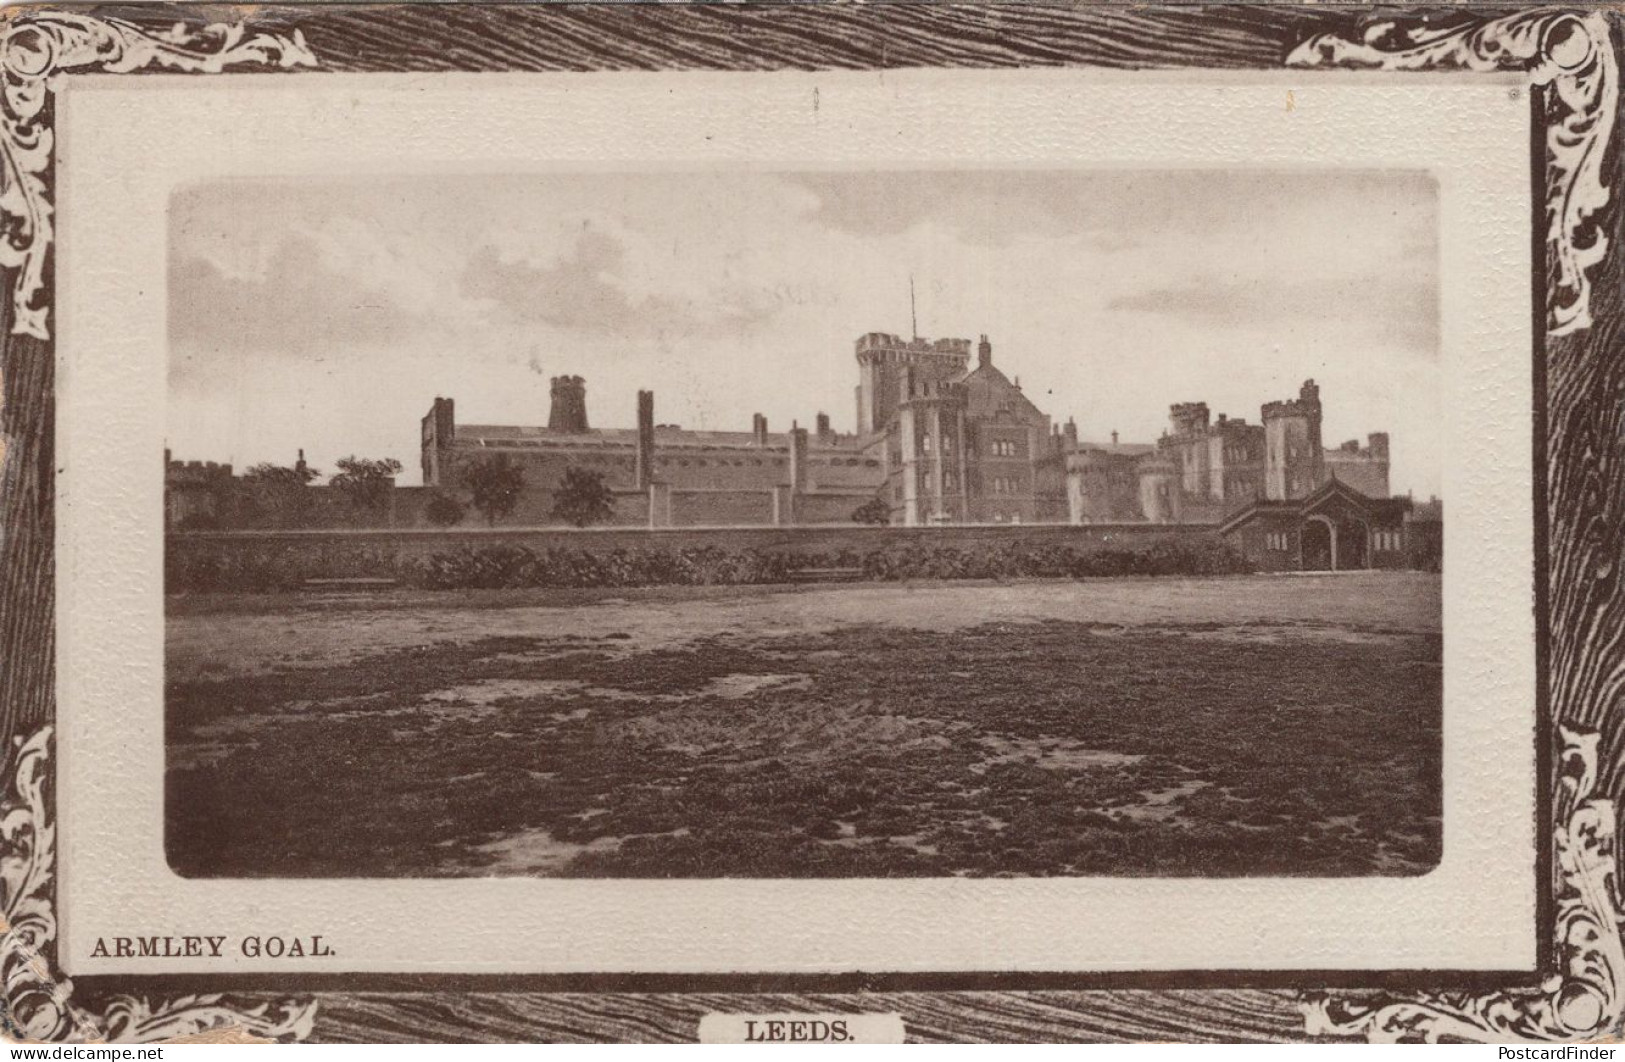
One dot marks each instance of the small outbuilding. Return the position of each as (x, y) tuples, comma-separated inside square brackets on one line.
[(1336, 528)]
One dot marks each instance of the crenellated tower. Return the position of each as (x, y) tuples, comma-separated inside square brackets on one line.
[(568, 413), (882, 360), (1294, 459), (931, 430)]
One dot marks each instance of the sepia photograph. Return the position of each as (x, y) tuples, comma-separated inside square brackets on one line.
[(923, 521), (891, 522)]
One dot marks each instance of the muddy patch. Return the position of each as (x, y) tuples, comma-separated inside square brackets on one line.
[(1049, 753), (531, 852), (1160, 805), (486, 692)]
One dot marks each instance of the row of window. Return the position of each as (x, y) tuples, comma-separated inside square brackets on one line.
[(997, 448), (950, 480), (1383, 540)]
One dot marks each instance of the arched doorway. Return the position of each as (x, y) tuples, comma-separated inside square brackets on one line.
[(1352, 551), (1317, 545)]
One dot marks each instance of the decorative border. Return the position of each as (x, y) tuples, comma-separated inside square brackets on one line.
[(1585, 1000), (1574, 55), (1570, 54), (35, 48), (37, 1003), (39, 46)]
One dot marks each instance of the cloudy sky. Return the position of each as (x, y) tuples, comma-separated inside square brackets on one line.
[(328, 314)]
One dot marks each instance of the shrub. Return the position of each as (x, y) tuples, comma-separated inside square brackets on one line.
[(443, 510), (257, 566)]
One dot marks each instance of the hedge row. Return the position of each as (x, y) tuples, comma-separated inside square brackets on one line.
[(257, 568)]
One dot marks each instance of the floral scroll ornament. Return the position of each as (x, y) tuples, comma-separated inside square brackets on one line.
[(1571, 53), (36, 1002), (37, 46), (1584, 999)]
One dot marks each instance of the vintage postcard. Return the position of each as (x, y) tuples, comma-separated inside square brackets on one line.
[(808, 539)]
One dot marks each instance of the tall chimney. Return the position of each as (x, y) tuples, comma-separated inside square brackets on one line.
[(1071, 433), (646, 439), (569, 410), (758, 425), (1114, 438), (823, 426), (984, 353), (798, 458)]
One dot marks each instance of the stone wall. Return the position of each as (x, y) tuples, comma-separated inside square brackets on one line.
[(410, 543)]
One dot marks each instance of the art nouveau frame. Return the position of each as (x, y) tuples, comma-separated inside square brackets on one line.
[(1570, 57)]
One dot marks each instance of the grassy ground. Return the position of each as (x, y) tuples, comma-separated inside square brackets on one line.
[(1268, 726)]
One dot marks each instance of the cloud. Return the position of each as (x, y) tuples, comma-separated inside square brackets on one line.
[(298, 305), (983, 208), (1391, 309), (586, 290)]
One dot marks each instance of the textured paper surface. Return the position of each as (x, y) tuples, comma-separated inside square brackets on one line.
[(129, 142)]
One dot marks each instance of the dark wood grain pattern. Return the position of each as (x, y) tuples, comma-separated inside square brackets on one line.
[(1585, 508), (1583, 429), (799, 36), (947, 1017), (27, 569)]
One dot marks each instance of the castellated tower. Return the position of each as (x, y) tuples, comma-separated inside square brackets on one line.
[(931, 426), (883, 359), (1294, 459), (1159, 478), (569, 410), (1188, 424), (1188, 418)]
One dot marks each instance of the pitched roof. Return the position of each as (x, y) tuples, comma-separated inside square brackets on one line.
[(527, 437), (1332, 489)]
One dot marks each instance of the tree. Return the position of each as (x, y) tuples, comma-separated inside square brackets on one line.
[(582, 498), (873, 511), (443, 510), (280, 495), (494, 483), (366, 484)]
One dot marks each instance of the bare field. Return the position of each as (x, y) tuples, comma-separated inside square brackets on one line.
[(1223, 726)]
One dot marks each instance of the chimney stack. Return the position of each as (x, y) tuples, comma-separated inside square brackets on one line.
[(1071, 432), (645, 464), (758, 425), (823, 427), (1114, 438), (984, 352), (798, 458), (569, 410)]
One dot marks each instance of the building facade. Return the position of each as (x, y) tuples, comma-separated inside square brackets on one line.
[(1201, 469), (1336, 528), (943, 436)]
